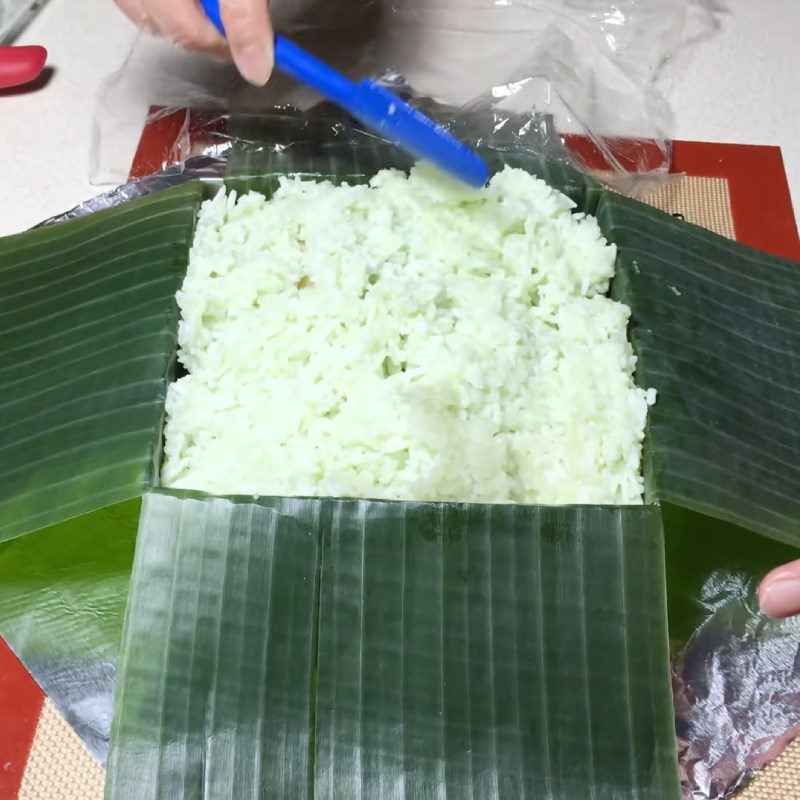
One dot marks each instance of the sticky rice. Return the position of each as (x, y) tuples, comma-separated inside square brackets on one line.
[(408, 339)]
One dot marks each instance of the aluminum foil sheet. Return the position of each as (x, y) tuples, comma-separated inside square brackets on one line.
[(198, 168), (737, 691)]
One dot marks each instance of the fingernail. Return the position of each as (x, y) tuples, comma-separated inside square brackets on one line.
[(780, 597), (255, 63)]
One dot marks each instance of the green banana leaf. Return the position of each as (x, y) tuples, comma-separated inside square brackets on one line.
[(89, 321), (63, 592), (703, 556), (493, 651), (470, 650), (219, 662), (373, 724), (716, 328), (89, 324), (327, 146)]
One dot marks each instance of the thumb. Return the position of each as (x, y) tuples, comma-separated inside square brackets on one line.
[(779, 593), (249, 33)]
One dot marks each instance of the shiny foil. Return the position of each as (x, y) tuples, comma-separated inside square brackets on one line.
[(736, 689)]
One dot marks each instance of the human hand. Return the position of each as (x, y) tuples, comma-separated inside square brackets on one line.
[(248, 29), (779, 593)]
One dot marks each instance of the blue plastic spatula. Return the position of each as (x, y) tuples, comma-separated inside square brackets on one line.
[(376, 107)]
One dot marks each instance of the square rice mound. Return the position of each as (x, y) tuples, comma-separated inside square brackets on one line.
[(408, 339)]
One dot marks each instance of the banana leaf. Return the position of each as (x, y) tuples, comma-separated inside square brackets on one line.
[(327, 146), (493, 651), (478, 651), (716, 328), (220, 650), (89, 324), (704, 556), (372, 724), (63, 592)]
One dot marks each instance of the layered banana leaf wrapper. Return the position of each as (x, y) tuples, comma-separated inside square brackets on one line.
[(306, 647)]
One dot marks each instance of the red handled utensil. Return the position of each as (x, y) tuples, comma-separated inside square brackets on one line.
[(21, 65)]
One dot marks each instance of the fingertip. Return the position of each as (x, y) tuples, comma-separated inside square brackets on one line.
[(253, 62), (779, 592), (790, 570), (250, 37)]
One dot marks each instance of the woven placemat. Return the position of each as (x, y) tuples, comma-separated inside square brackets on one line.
[(701, 201), (60, 766), (779, 781)]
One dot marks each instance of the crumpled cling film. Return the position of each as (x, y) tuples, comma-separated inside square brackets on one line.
[(601, 68)]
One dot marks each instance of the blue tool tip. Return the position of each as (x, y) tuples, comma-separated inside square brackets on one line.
[(378, 108), (469, 167), (410, 128)]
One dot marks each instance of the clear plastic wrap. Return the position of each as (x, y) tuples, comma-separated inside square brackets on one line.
[(600, 68)]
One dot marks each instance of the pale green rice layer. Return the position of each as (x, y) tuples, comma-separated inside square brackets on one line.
[(410, 339)]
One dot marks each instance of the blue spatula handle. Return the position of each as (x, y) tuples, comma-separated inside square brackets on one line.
[(376, 107)]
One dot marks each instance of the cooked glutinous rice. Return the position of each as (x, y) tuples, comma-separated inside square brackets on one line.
[(409, 339)]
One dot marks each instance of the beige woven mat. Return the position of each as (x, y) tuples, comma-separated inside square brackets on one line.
[(60, 767), (779, 781), (701, 201)]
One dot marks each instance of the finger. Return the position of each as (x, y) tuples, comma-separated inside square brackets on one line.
[(184, 23), (135, 11), (249, 33), (779, 593)]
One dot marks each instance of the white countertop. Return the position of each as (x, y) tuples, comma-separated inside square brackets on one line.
[(741, 86)]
